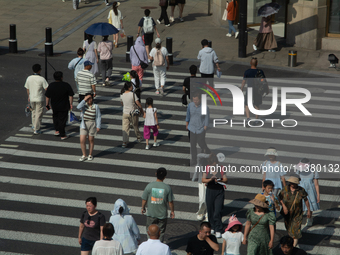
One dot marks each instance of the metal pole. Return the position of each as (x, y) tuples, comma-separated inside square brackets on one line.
[(48, 43), (208, 7), (210, 44), (13, 44), (243, 36), (46, 67), (129, 45), (169, 48)]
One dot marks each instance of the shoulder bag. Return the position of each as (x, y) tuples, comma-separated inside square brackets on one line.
[(143, 65), (137, 111), (256, 224)]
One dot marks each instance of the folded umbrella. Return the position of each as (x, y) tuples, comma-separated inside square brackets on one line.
[(101, 28), (268, 9)]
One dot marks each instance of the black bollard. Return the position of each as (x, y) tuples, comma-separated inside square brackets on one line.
[(169, 49), (243, 36), (292, 58), (13, 44), (210, 44), (48, 43), (129, 45)]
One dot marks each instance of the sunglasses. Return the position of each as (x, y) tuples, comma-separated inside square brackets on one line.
[(253, 58)]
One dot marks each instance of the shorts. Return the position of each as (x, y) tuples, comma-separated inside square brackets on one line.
[(86, 245), (181, 1), (90, 128), (257, 99), (147, 131), (148, 38), (173, 2)]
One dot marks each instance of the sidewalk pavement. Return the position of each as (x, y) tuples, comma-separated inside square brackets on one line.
[(68, 25)]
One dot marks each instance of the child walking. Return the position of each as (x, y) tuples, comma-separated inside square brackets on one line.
[(150, 122), (309, 181), (232, 237), (273, 201)]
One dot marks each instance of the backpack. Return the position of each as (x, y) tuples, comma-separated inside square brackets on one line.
[(260, 84), (147, 25), (158, 60)]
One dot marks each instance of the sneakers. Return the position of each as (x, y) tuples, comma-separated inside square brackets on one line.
[(168, 25), (147, 147), (155, 144), (218, 235), (228, 35), (104, 84), (162, 92), (212, 232), (37, 132), (90, 158), (236, 35), (124, 145), (206, 217), (172, 19), (83, 158), (271, 50), (181, 19), (158, 21), (64, 137), (157, 92), (56, 133), (254, 47)]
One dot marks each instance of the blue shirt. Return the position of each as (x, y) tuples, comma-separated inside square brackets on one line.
[(196, 120)]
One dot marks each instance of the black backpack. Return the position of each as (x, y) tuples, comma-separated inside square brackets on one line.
[(260, 84)]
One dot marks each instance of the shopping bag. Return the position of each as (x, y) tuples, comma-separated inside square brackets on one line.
[(28, 110), (122, 33), (218, 74), (73, 118), (225, 13)]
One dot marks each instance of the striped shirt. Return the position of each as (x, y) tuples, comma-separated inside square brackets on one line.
[(90, 113), (85, 80)]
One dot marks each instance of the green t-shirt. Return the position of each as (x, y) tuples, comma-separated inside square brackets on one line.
[(157, 195)]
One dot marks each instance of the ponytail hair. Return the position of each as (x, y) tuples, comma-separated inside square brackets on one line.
[(158, 46), (89, 38), (134, 75), (149, 102), (114, 7), (121, 210), (126, 87)]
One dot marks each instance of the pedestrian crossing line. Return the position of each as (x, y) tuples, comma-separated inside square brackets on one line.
[(9, 145), (332, 92), (333, 241), (145, 179), (12, 253), (319, 250), (23, 135), (298, 156), (318, 230)]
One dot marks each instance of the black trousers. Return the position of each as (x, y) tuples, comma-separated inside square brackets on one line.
[(204, 75), (214, 200), (194, 140), (59, 121), (164, 14)]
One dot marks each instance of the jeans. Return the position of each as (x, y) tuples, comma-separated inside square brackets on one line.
[(231, 26), (106, 68), (164, 14)]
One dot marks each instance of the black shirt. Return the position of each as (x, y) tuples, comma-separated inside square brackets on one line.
[(59, 92), (198, 247), (251, 73)]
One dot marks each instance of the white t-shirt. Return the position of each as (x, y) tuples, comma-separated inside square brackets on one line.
[(234, 241), (153, 247), (164, 53), (128, 102), (115, 19), (150, 117), (106, 247), (133, 80), (36, 85)]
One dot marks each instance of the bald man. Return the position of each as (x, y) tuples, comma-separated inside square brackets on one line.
[(248, 74), (153, 246)]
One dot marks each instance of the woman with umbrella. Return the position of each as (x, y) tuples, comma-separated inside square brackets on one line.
[(265, 39), (91, 54)]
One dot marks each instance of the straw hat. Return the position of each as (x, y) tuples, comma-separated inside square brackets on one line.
[(293, 179), (232, 222), (271, 151), (259, 200)]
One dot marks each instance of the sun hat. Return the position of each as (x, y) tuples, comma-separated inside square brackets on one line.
[(232, 222), (259, 200), (158, 40), (293, 179), (271, 151), (220, 157), (117, 4)]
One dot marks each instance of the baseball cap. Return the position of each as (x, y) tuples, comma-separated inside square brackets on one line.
[(158, 40), (88, 63)]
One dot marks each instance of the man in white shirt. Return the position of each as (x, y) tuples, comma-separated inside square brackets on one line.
[(153, 246), (35, 86)]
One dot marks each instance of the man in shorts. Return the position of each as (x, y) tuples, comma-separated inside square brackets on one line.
[(90, 125), (249, 77), (148, 30)]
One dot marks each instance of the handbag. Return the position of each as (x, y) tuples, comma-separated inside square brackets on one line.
[(225, 13), (143, 65), (255, 224), (137, 111), (184, 99), (162, 2)]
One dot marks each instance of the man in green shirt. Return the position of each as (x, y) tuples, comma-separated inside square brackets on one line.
[(155, 197)]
